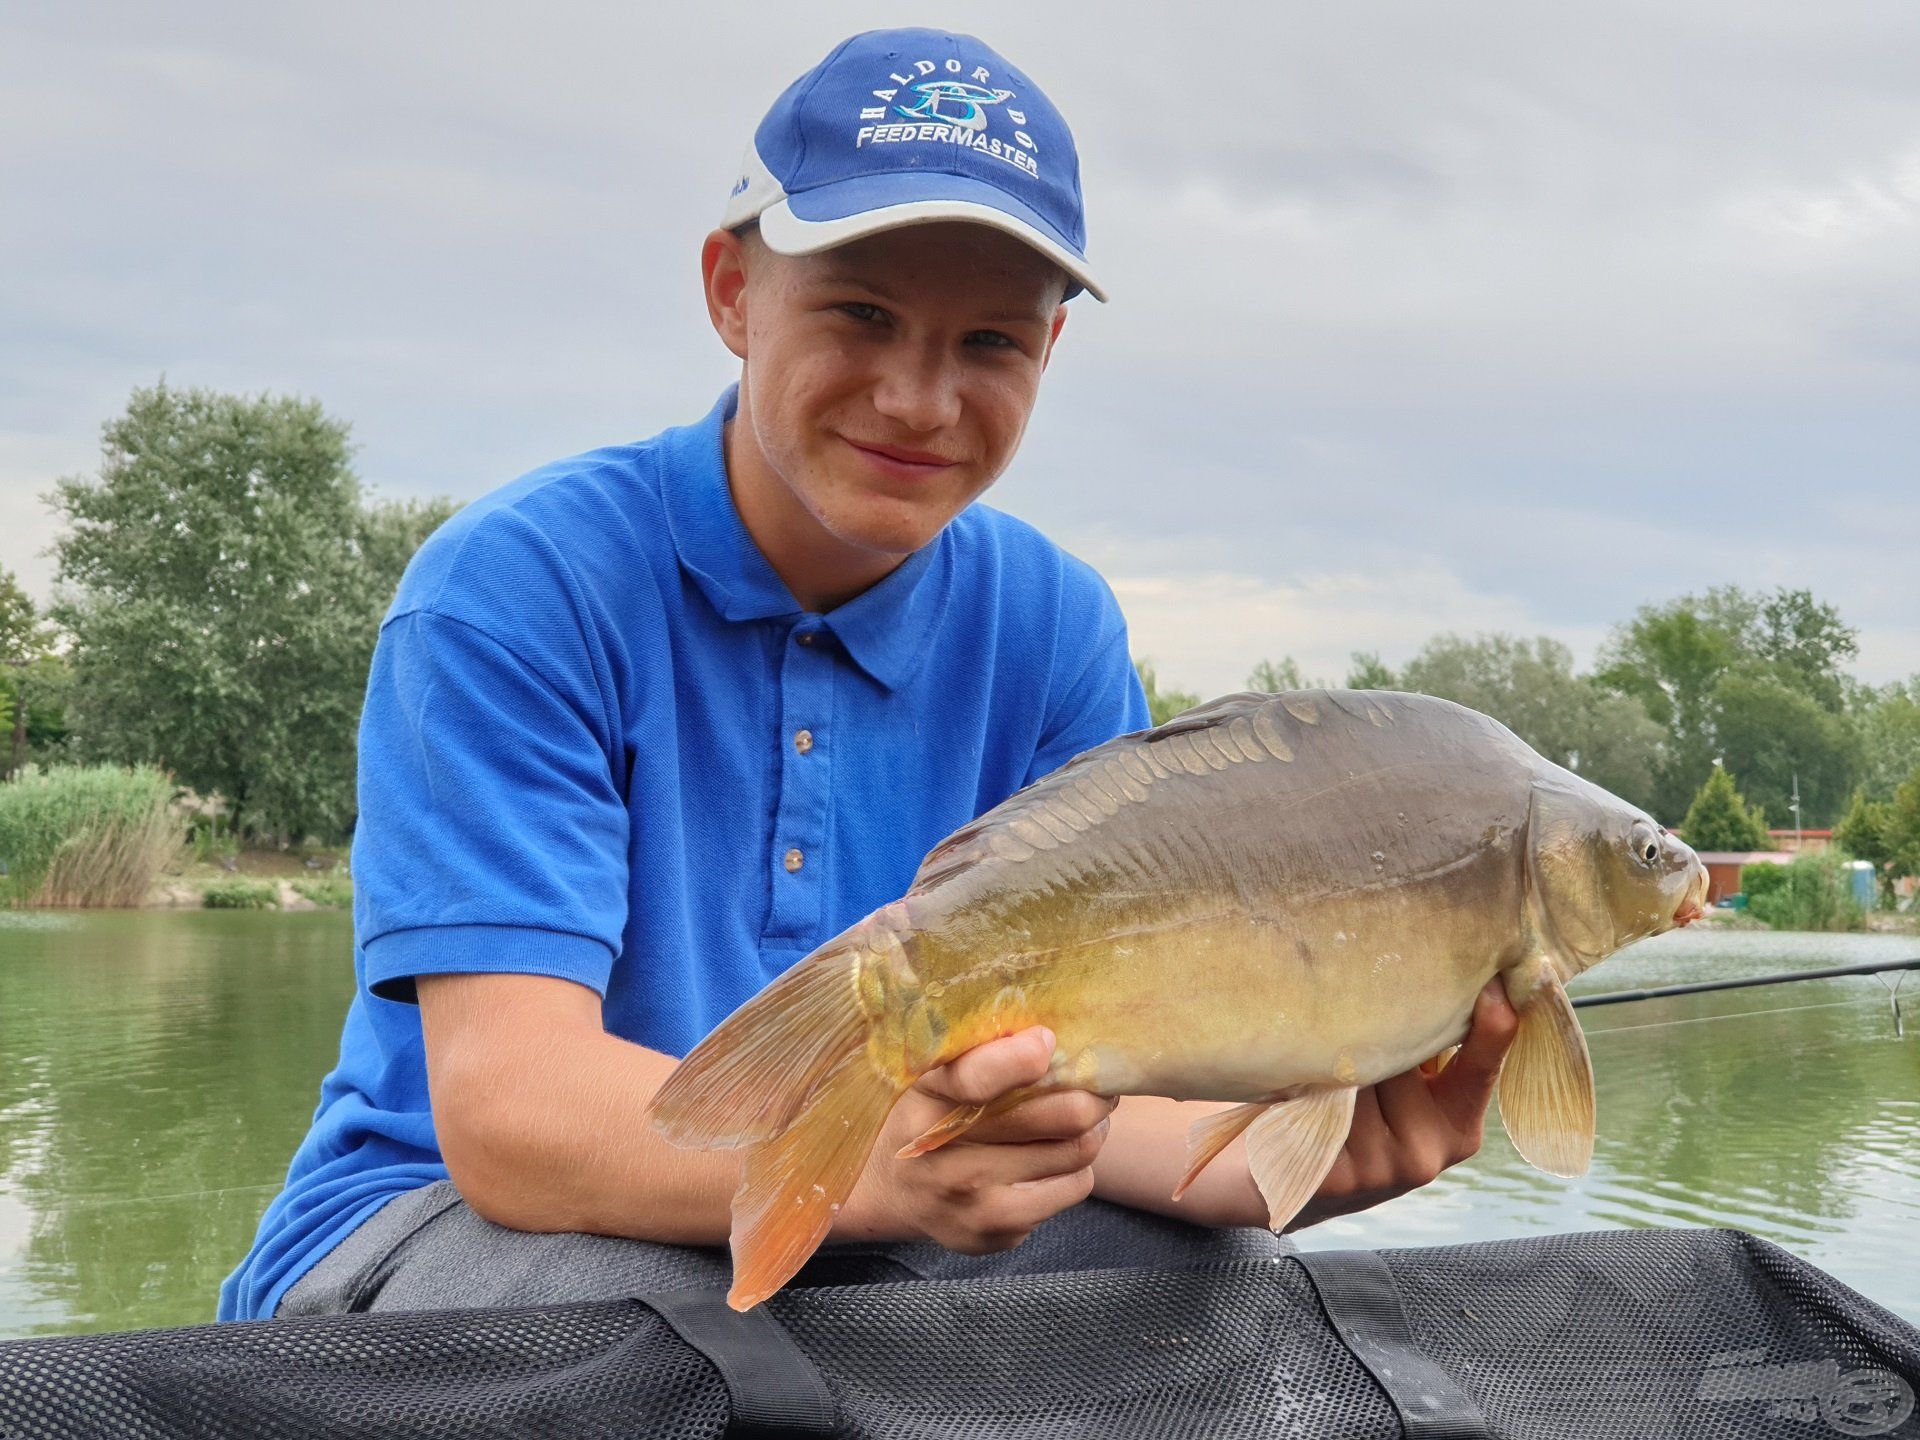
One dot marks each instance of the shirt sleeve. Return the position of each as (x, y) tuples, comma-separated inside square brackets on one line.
[(1104, 701), (493, 833)]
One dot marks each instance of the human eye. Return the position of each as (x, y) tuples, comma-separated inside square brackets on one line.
[(861, 311), (993, 340)]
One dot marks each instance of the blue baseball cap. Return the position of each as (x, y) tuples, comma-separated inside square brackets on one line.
[(906, 127)]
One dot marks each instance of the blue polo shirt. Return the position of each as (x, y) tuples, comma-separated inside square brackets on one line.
[(602, 741)]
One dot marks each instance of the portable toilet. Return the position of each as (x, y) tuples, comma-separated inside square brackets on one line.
[(1860, 878)]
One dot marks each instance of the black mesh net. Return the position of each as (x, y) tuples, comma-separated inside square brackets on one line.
[(1617, 1334)]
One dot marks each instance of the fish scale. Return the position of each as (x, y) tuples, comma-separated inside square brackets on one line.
[(1272, 900)]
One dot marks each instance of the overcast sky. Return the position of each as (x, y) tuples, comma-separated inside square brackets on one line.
[(1476, 316)]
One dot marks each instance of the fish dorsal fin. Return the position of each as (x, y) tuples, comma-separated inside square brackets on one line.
[(1546, 1082), (1250, 728)]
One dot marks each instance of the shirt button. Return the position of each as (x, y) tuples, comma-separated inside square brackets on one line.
[(794, 861), (803, 741), (805, 637)]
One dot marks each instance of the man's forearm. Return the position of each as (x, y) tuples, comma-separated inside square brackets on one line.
[(1146, 1154), (552, 1134)]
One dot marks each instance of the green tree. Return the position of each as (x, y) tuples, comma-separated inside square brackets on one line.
[(1690, 660), (1719, 819), (1806, 643), (1370, 672), (223, 582), (1272, 679), (1530, 687), (1772, 735), (1866, 832), (1887, 723), (1162, 705), (27, 665)]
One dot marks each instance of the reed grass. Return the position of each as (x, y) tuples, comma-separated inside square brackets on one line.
[(85, 836)]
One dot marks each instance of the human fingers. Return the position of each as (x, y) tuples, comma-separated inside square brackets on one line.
[(1425, 1140), (1002, 1218), (1060, 1115), (989, 1071), (963, 1168), (1463, 1089)]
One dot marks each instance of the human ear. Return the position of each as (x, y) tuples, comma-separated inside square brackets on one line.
[(723, 272), (1053, 334)]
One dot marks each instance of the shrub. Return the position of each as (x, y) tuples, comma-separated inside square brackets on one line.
[(1813, 894), (241, 894), (1762, 880), (329, 892), (80, 836)]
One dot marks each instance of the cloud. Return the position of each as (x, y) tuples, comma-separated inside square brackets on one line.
[(1205, 632), (1496, 316)]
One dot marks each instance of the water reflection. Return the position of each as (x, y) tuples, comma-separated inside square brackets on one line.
[(157, 1068), (1788, 1111)]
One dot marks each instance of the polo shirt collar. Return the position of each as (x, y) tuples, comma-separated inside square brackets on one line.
[(884, 629)]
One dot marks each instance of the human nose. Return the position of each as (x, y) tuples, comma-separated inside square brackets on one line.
[(920, 390)]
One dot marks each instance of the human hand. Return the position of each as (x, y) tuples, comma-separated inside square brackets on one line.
[(1411, 1126), (987, 1189)]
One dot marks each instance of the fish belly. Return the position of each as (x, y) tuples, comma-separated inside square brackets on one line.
[(1236, 1009)]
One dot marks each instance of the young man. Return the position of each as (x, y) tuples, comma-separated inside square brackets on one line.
[(646, 725)]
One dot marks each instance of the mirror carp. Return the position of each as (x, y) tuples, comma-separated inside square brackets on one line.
[(1272, 899)]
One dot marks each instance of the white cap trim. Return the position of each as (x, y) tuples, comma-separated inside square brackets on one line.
[(758, 196), (790, 235)]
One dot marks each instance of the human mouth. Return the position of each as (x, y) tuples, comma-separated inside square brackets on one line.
[(899, 463)]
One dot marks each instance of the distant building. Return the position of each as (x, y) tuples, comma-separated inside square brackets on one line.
[(1802, 842), (1724, 867)]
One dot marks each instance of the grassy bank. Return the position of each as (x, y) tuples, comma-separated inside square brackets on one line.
[(86, 835)]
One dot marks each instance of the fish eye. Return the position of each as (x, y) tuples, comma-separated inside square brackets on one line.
[(1645, 844)]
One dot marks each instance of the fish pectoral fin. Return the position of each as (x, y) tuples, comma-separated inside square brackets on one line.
[(1211, 1134), (962, 1118), (1546, 1085), (1291, 1148)]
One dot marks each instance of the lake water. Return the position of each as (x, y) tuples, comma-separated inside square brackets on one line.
[(158, 1067)]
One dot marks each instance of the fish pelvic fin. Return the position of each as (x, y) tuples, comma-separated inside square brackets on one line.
[(1293, 1145), (793, 1184), (962, 1118), (1546, 1084), (1211, 1134), (749, 1079)]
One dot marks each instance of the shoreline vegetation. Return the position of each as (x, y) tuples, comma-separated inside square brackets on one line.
[(106, 837), (220, 580)]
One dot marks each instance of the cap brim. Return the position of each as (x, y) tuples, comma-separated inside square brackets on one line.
[(846, 210)]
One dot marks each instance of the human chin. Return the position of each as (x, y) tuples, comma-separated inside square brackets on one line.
[(882, 518)]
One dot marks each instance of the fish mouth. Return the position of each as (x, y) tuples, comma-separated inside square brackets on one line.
[(1695, 903)]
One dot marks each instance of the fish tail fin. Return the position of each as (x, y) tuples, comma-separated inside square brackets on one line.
[(749, 1079), (791, 1078), (794, 1183)]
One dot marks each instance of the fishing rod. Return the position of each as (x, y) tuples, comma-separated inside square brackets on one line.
[(1873, 967)]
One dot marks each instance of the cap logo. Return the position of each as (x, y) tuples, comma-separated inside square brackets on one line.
[(954, 92), (950, 111)]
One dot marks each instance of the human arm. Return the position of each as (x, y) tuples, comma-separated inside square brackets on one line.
[(1406, 1130), (541, 1117)]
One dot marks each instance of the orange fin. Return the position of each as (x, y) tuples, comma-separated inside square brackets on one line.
[(748, 1080), (1211, 1134), (793, 1184), (962, 1118), (1291, 1148)]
